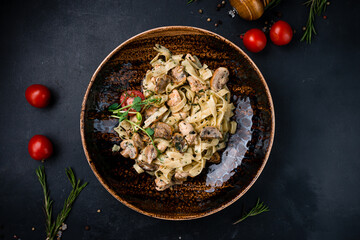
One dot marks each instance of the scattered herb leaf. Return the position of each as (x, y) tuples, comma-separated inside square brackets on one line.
[(113, 106), (149, 131)]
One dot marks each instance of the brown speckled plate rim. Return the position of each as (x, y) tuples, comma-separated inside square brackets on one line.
[(163, 216)]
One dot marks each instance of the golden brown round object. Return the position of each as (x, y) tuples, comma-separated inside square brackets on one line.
[(250, 9)]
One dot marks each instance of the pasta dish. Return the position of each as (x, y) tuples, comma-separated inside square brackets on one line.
[(178, 122)]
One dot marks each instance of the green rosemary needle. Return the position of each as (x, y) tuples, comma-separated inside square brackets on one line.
[(260, 207), (317, 7)]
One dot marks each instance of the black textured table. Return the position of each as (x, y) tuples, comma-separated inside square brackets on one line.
[(311, 179)]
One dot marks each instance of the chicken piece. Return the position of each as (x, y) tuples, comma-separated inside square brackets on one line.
[(174, 98), (178, 75), (215, 158), (195, 84), (162, 130), (150, 153), (129, 149), (160, 83), (188, 131), (219, 79), (161, 185), (162, 145), (180, 143), (210, 133), (180, 177), (138, 142), (150, 111)]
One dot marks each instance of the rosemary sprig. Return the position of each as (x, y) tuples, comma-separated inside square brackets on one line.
[(317, 7), (272, 4), (190, 1), (260, 207), (52, 227)]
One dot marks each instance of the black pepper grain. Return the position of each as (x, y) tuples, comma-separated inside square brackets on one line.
[(87, 228)]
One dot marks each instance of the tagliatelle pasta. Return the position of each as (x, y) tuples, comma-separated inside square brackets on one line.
[(189, 121)]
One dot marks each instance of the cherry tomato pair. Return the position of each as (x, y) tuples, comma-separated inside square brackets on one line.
[(255, 40), (39, 147)]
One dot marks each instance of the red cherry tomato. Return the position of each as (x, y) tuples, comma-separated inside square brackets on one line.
[(254, 40), (281, 33), (40, 147), (127, 98), (38, 95)]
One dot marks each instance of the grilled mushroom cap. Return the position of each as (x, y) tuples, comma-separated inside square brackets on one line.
[(210, 133), (138, 142), (162, 130), (180, 142), (150, 153), (161, 83), (219, 79), (129, 149)]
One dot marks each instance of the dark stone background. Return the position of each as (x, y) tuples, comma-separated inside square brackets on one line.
[(311, 181)]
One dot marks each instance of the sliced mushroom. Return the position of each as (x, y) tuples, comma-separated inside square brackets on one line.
[(162, 130), (180, 143), (150, 153), (161, 185), (219, 79), (188, 131), (174, 98), (180, 177), (138, 142), (215, 158), (129, 149), (210, 133), (179, 75), (160, 83), (195, 84), (150, 111), (148, 167)]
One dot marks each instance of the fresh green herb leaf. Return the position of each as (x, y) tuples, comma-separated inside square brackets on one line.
[(149, 131), (137, 107), (113, 106), (260, 207), (136, 100)]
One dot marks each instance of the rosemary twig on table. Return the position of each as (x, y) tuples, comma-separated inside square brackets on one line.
[(260, 207), (317, 7), (52, 227), (272, 4)]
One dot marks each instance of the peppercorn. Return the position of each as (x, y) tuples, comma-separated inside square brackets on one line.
[(200, 11), (328, 3), (209, 19), (216, 24), (87, 228), (223, 3), (303, 28), (324, 17)]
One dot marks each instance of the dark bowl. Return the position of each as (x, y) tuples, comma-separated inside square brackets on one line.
[(242, 161)]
